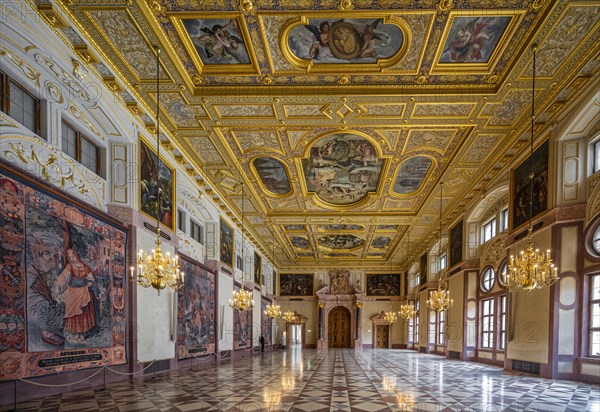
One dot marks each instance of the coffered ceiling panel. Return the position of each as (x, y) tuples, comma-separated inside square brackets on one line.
[(341, 118)]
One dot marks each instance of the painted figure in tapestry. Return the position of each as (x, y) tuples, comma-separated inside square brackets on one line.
[(156, 190), (242, 328), (383, 285), (342, 168), (273, 175), (360, 40), (266, 323), (217, 41), (293, 284), (473, 39), (257, 268)]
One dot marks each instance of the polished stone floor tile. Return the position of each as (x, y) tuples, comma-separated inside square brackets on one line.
[(337, 380)]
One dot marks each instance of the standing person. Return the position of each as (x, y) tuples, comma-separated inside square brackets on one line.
[(262, 343)]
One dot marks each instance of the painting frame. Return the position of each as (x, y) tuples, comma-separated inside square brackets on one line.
[(257, 269), (380, 284), (456, 244), (237, 69), (296, 284), (143, 148), (519, 187), (193, 271), (226, 243), (257, 171)]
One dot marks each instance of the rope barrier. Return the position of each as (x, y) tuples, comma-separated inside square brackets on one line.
[(204, 357), (64, 384), (131, 373)]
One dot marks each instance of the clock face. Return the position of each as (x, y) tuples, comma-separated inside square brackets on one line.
[(596, 240)]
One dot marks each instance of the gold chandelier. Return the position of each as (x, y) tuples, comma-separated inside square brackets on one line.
[(439, 299), (241, 300), (273, 311), (289, 316), (390, 316), (531, 269), (407, 311), (157, 269)]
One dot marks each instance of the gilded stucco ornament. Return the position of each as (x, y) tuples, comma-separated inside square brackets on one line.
[(445, 5), (346, 5), (246, 6), (343, 80)]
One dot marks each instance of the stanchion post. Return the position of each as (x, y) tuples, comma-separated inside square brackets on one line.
[(104, 372), (15, 397)]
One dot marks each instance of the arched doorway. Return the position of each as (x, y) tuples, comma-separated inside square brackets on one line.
[(339, 327)]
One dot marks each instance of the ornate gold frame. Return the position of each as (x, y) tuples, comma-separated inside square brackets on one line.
[(259, 180), (432, 168)]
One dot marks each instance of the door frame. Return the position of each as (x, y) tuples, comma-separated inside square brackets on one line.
[(379, 319), (350, 329)]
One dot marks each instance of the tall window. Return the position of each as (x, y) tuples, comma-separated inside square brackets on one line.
[(181, 220), (487, 323), (443, 261), (196, 232), (594, 348), (596, 156), (502, 335), (502, 274), (489, 230), (411, 328), (417, 314), (19, 104), (503, 220), (239, 262), (80, 148), (441, 326), (487, 279)]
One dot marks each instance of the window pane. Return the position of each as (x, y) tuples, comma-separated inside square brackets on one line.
[(597, 156), (595, 343), (595, 318), (23, 107), (89, 153), (596, 287), (69, 141)]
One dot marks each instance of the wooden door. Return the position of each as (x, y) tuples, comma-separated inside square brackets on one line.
[(382, 336), (339, 328)]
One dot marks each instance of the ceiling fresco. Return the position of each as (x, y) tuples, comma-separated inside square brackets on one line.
[(341, 118)]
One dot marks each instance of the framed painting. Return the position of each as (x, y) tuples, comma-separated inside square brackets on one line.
[(274, 293), (520, 187), (157, 186), (242, 328), (257, 268), (383, 285), (226, 243), (196, 310), (456, 244), (423, 270), (273, 175), (63, 299), (294, 284)]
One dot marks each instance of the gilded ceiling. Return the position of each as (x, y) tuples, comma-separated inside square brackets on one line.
[(341, 121)]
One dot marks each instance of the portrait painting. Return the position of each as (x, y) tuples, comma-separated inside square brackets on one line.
[(242, 328), (157, 183), (383, 285), (521, 187), (272, 174), (340, 241), (196, 310), (295, 284), (411, 174), (266, 323), (380, 242), (300, 242), (218, 41), (473, 39), (335, 41), (342, 168), (335, 227), (292, 228), (257, 268), (226, 243), (456, 244), (423, 270), (64, 277)]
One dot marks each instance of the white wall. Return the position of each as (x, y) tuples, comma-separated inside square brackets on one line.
[(256, 325), (226, 323)]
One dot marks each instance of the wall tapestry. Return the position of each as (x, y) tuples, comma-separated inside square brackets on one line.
[(520, 187), (456, 244), (62, 297), (257, 268), (226, 244), (151, 185), (294, 284), (266, 322), (383, 285), (195, 311), (242, 328)]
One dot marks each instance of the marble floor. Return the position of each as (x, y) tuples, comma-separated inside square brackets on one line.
[(337, 380)]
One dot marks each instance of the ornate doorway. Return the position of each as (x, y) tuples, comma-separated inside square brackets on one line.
[(339, 327), (382, 336)]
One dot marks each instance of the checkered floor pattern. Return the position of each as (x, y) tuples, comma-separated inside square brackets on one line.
[(297, 380)]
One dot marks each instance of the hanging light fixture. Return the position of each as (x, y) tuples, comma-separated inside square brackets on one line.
[(272, 310), (157, 269), (531, 269), (439, 299), (407, 311), (289, 316), (390, 316), (242, 299)]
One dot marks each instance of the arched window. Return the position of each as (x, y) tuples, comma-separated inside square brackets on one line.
[(502, 272), (487, 279)]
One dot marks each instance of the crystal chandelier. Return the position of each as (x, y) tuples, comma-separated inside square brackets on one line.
[(289, 316), (158, 269), (531, 269), (241, 300), (390, 317), (407, 311), (273, 311), (439, 299)]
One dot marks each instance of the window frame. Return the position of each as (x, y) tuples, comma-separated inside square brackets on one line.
[(502, 319), (417, 323), (181, 219), (504, 218), (195, 226), (596, 156), (440, 322), (482, 279), (499, 277), (492, 223), (592, 329), (79, 136), (487, 328), (443, 258), (5, 84)]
